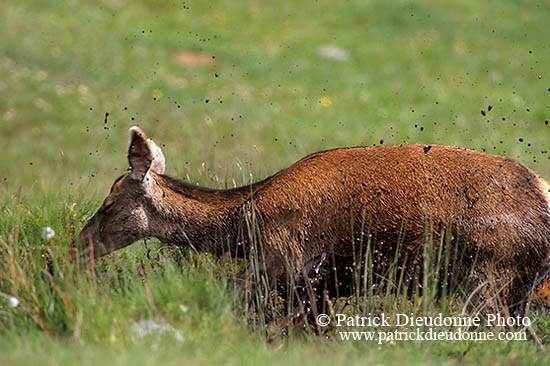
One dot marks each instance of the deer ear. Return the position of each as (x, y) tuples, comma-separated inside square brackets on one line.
[(144, 155), (158, 165)]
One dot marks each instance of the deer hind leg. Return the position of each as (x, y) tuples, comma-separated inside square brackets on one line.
[(536, 293), (499, 288)]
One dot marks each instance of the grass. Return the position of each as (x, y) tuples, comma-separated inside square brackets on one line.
[(417, 72)]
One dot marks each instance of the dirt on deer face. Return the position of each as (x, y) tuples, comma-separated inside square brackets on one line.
[(330, 204)]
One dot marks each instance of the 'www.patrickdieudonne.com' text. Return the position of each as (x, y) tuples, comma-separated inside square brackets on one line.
[(431, 335)]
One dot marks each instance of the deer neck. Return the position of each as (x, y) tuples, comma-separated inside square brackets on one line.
[(206, 219)]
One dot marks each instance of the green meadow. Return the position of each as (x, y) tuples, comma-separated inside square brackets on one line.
[(233, 92)]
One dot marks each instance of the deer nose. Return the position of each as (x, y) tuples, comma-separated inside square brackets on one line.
[(88, 240)]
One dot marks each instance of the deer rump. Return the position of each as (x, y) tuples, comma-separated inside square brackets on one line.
[(331, 210)]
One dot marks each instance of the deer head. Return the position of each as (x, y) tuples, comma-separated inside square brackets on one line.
[(125, 215)]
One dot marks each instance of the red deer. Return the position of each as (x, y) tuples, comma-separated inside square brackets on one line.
[(328, 202)]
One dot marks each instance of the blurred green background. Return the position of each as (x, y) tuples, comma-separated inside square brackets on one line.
[(223, 85)]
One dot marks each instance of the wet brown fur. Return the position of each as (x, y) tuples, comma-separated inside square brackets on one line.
[(329, 202)]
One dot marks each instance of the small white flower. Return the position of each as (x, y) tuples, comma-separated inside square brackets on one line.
[(41, 75), (47, 233), (83, 89), (60, 90), (42, 104), (13, 301), (9, 114), (333, 52)]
